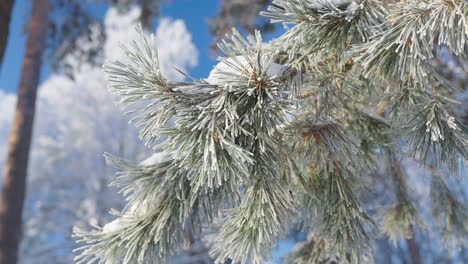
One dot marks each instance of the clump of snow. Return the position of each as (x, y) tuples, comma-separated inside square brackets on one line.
[(139, 209), (113, 226), (156, 158), (352, 6), (276, 69), (136, 210), (220, 70), (222, 67)]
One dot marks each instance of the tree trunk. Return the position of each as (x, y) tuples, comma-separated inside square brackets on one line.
[(6, 6), (14, 179), (413, 249)]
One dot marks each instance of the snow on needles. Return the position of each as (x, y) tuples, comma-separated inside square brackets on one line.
[(156, 158), (76, 122), (222, 68)]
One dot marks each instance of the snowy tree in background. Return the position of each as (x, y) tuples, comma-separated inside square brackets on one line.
[(320, 127), (7, 103), (78, 122), (242, 13)]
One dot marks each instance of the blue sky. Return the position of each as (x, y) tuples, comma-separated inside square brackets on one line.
[(195, 13), (10, 68)]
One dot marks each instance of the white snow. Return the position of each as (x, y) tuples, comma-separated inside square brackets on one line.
[(176, 48), (173, 40), (156, 158), (350, 5), (220, 68), (113, 226), (7, 107), (137, 209), (276, 69), (77, 121)]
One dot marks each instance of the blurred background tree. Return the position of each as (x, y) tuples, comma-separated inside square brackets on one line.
[(240, 14), (6, 7), (61, 26)]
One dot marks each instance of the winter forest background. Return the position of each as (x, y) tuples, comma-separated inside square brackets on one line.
[(77, 121)]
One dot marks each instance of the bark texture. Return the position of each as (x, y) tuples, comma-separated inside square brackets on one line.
[(15, 171), (413, 250), (6, 7)]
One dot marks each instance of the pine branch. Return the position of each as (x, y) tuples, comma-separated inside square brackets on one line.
[(435, 137), (418, 28), (450, 214), (285, 130), (232, 122), (322, 29)]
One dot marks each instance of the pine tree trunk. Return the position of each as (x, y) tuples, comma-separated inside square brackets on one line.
[(413, 250), (14, 181), (145, 17), (6, 7)]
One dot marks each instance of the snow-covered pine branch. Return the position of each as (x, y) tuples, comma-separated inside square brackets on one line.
[(299, 124)]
